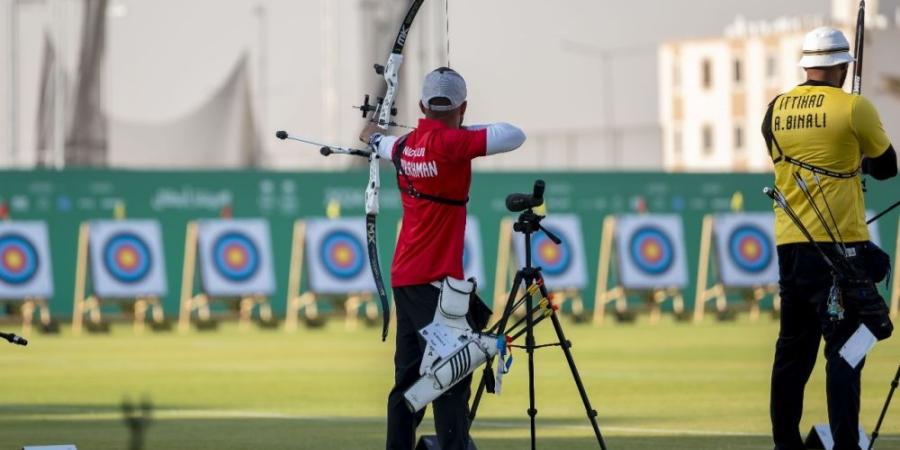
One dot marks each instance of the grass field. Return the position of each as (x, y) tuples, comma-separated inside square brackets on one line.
[(671, 386)]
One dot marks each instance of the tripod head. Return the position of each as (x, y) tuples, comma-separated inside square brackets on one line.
[(529, 222)]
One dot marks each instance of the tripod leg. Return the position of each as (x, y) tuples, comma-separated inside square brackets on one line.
[(501, 326), (887, 403), (565, 344), (529, 348)]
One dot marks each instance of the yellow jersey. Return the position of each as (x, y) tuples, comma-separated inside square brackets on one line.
[(822, 132)]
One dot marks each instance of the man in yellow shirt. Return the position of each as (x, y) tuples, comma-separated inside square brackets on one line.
[(827, 138)]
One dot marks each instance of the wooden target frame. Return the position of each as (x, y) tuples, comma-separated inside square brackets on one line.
[(307, 302), (506, 270), (200, 302), (752, 295), (617, 293), (88, 305)]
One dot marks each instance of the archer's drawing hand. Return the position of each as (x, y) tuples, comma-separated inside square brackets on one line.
[(367, 132)]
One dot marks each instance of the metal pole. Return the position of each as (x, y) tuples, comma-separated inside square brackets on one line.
[(328, 73), (59, 102), (13, 82), (262, 79)]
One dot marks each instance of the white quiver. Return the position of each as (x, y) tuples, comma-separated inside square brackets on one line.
[(471, 349)]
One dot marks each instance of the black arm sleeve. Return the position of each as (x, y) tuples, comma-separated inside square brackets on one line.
[(882, 167)]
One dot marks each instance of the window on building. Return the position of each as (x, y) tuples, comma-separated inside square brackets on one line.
[(738, 138), (738, 71), (771, 67), (707, 73), (708, 140)]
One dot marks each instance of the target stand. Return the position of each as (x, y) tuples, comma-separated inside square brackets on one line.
[(613, 289), (506, 269), (750, 250), (26, 281), (26, 307), (196, 300), (307, 302), (88, 303)]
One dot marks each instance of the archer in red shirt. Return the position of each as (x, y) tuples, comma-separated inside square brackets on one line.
[(434, 164)]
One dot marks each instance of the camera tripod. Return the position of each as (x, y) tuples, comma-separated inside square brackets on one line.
[(529, 223)]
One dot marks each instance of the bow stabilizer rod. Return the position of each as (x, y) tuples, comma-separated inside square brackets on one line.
[(326, 149)]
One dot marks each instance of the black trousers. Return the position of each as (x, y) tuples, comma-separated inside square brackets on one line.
[(415, 309), (805, 280)]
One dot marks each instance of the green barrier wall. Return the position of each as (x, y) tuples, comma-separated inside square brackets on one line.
[(66, 198)]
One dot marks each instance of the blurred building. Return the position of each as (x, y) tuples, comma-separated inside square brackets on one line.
[(205, 83), (714, 91)]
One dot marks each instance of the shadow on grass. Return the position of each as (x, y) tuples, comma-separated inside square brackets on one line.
[(12, 411), (345, 433)]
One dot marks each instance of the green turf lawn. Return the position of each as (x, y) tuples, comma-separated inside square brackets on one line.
[(672, 386)]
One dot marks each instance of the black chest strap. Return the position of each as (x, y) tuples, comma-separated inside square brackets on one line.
[(410, 189), (769, 135)]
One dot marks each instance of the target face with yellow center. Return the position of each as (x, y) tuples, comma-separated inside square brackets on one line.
[(235, 256), (19, 260), (127, 258), (651, 250), (563, 266), (750, 248), (552, 258), (342, 254)]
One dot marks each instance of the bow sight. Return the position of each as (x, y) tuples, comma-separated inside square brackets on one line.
[(367, 108)]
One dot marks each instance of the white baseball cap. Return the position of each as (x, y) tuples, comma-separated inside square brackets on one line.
[(444, 83), (825, 47)]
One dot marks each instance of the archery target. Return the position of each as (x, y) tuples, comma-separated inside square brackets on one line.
[(236, 257), (337, 256), (650, 251), (24, 261), (473, 257), (563, 265), (126, 258), (18, 259), (745, 249), (342, 254)]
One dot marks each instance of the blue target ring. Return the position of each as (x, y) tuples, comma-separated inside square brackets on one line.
[(18, 259), (750, 248), (235, 256), (553, 259), (652, 250), (342, 254), (127, 257)]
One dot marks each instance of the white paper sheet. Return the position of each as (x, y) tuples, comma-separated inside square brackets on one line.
[(859, 344)]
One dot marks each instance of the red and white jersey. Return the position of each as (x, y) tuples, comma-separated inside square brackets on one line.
[(438, 162)]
